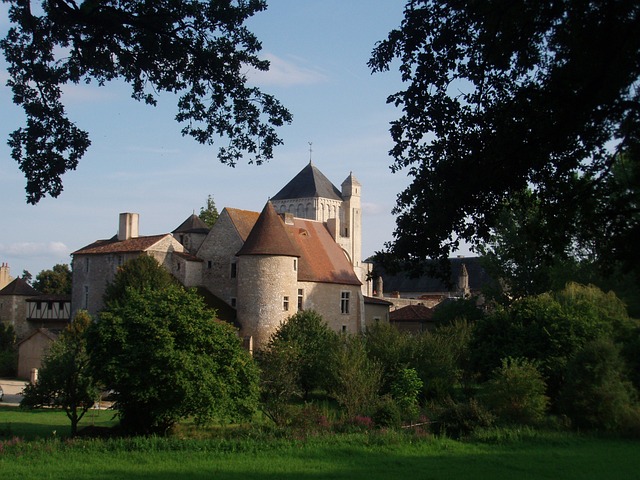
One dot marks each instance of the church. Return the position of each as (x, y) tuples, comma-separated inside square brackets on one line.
[(302, 251)]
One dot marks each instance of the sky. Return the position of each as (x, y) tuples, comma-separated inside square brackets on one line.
[(139, 162)]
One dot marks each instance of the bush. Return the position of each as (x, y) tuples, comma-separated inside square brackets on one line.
[(597, 394), (404, 390), (387, 414), (515, 392), (356, 378), (460, 419)]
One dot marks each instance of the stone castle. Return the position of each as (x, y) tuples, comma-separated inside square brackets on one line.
[(302, 251)]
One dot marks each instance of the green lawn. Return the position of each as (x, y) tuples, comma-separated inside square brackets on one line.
[(350, 456)]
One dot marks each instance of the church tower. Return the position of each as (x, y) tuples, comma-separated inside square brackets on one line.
[(311, 195)]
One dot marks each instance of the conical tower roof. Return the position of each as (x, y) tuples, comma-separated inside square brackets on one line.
[(309, 183), (269, 236), (193, 224)]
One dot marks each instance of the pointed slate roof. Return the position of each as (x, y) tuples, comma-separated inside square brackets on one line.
[(309, 183), (19, 287), (269, 236), (193, 224)]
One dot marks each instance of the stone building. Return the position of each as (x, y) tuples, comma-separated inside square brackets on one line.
[(26, 309), (303, 251)]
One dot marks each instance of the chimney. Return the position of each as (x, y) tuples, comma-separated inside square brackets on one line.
[(128, 227), (379, 292), (5, 278)]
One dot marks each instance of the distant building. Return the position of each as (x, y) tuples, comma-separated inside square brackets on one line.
[(26, 309)]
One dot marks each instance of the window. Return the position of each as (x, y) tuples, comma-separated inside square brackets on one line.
[(178, 266), (233, 302), (86, 297), (344, 329), (300, 298), (234, 270), (86, 264), (344, 302), (295, 264), (209, 264), (285, 303)]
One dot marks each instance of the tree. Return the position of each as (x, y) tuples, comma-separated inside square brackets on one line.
[(56, 281), (65, 379), (516, 392), (26, 276), (141, 273), (310, 340), (549, 329), (357, 379), (8, 350), (209, 213), (200, 50), (506, 96), (597, 394), (167, 358)]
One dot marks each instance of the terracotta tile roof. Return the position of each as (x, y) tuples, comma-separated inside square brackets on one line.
[(243, 220), (113, 245), (193, 224), (411, 313), (19, 287), (309, 183), (269, 236), (322, 259)]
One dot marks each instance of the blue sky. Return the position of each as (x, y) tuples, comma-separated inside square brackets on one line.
[(139, 162)]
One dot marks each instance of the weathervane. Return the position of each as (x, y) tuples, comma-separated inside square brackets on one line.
[(310, 151)]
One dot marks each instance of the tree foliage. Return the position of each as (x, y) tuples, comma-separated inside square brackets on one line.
[(357, 379), (306, 337), (506, 96), (56, 281), (516, 392), (209, 213), (65, 379), (167, 358), (597, 393), (197, 49), (549, 329), (8, 350), (141, 273)]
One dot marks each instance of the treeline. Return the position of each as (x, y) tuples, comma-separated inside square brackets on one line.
[(563, 360)]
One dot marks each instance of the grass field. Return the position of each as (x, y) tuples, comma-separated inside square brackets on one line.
[(250, 455)]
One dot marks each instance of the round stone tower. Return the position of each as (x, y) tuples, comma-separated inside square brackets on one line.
[(267, 278)]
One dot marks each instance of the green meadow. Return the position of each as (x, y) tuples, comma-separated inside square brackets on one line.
[(36, 445)]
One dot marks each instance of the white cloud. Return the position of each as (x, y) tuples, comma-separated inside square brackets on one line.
[(29, 249), (84, 93), (285, 73)]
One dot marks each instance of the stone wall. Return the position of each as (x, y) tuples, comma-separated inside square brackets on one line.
[(218, 254), (263, 283), (325, 298)]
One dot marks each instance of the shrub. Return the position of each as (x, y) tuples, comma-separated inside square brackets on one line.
[(515, 392), (460, 419), (597, 394), (387, 413), (404, 390), (356, 378)]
